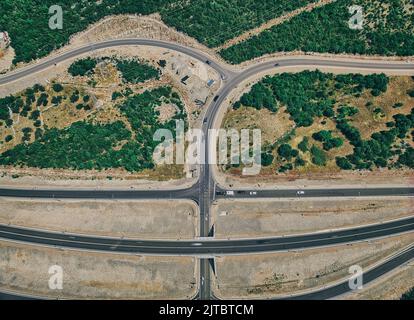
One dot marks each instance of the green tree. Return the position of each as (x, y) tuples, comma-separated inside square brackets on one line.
[(57, 87), (286, 151), (259, 97), (343, 163), (82, 67), (318, 156), (304, 145), (409, 295), (267, 159)]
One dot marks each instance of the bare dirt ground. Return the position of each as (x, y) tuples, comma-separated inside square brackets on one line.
[(87, 275), (282, 274), (270, 217), (390, 287), (140, 219), (66, 179), (383, 178), (6, 59)]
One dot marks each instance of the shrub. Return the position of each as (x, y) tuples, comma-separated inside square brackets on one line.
[(74, 98), (57, 87), (409, 295), (286, 151), (332, 143), (322, 135), (299, 162), (303, 145), (9, 122), (82, 67), (259, 97), (116, 95), (267, 159), (135, 71), (318, 156), (343, 163)]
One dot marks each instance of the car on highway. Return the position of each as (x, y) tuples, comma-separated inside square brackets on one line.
[(216, 98), (229, 193), (300, 192), (253, 193)]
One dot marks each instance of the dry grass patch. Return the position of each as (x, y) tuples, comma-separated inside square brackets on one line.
[(280, 274), (89, 275)]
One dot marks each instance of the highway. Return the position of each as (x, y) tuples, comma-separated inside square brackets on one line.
[(203, 191), (330, 292), (190, 193), (224, 72), (193, 193), (369, 276), (207, 248), (315, 193), (30, 69)]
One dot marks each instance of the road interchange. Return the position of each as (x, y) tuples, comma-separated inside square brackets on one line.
[(204, 191)]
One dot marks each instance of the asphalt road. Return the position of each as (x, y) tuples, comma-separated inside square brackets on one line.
[(206, 248), (190, 193), (368, 277), (11, 296), (225, 73), (202, 192), (313, 193), (23, 72), (207, 170), (323, 294)]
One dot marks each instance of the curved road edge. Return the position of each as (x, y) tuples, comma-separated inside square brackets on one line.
[(205, 248), (330, 292)]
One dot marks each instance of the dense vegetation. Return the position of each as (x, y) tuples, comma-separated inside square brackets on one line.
[(141, 114), (329, 142), (308, 96), (214, 22), (27, 21), (88, 145), (260, 96), (326, 29), (25, 104), (132, 71), (82, 67), (135, 72), (409, 295), (81, 146)]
